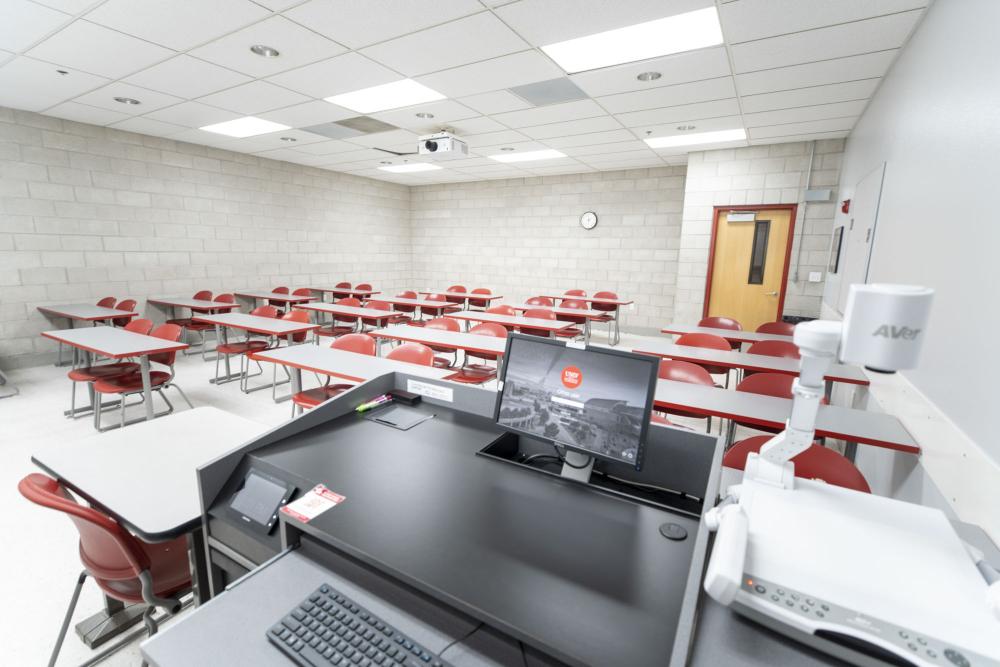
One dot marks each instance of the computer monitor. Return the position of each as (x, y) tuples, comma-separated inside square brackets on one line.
[(591, 400)]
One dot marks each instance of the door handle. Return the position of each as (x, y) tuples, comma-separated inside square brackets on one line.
[(770, 294)]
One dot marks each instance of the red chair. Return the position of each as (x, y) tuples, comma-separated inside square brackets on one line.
[(723, 323), (202, 295), (201, 327), (772, 348), (540, 301), (102, 371), (310, 398), (612, 314), (541, 314), (444, 324), (303, 291), (480, 373), (107, 302), (815, 463), (767, 384), (363, 287), (460, 300), (301, 316), (244, 348), (503, 310), (407, 309), (685, 371), (412, 353), (123, 566), (124, 304), (341, 295), (575, 292), (378, 322), (480, 304), (573, 332), (777, 328), (278, 304), (434, 311), (711, 342), (126, 385), (333, 329)]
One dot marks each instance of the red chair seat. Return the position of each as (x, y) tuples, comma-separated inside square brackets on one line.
[(129, 383), (310, 398), (572, 332), (198, 326), (815, 463), (168, 565), (474, 375), (441, 362), (180, 321), (242, 348), (105, 371), (332, 330)]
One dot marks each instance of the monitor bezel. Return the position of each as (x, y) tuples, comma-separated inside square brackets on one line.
[(651, 393)]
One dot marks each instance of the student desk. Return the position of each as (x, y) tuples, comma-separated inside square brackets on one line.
[(379, 316), (362, 294), (563, 313), (253, 297), (517, 321), (452, 340), (419, 303), (115, 344), (618, 302), (466, 296), (83, 312), (728, 334), (168, 305), (145, 479)]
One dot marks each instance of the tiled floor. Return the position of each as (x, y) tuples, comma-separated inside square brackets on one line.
[(39, 566)]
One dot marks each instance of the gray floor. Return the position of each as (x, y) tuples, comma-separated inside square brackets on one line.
[(39, 567)]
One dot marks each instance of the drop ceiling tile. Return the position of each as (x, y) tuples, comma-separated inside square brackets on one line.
[(669, 96), (577, 168), (498, 101), (591, 139), (149, 126), (634, 163), (177, 24), (150, 99), (302, 158), (340, 74), (444, 112), (480, 125), (887, 32), (308, 114), (684, 150), (551, 114), (571, 127), (602, 149), (808, 127), (544, 22), (187, 77), (388, 139), (297, 46), (23, 23), (278, 5), (497, 149), (193, 114), (677, 68), (358, 23), (682, 112), (254, 97), (274, 140), (493, 75), (355, 156), (82, 113), (453, 44), (505, 137), (800, 114), (838, 70), (284, 154), (802, 97), (34, 85), (327, 147), (599, 158), (99, 50), (202, 138), (69, 6), (700, 125), (814, 136), (757, 19)]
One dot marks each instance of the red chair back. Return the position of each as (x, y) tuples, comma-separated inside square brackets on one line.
[(487, 329), (342, 285), (575, 292), (107, 302), (107, 550), (710, 341), (170, 332), (768, 384), (575, 304), (720, 323), (815, 463), (302, 291), (456, 299), (280, 290), (433, 310), (540, 301), (502, 310), (413, 353), (355, 342), (297, 316), (684, 371), (444, 324), (775, 348), (480, 303), (607, 307), (777, 328), (203, 295), (541, 314), (363, 286), (265, 311), (225, 298), (348, 301), (140, 326), (374, 304), (124, 304), (405, 308)]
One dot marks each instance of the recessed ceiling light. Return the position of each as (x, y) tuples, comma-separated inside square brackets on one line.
[(127, 100), (408, 168), (403, 93), (289, 139), (424, 114), (265, 51), (649, 76), (695, 139), (673, 34), (248, 126), (530, 156)]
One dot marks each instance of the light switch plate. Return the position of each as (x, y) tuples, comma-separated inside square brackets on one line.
[(815, 276)]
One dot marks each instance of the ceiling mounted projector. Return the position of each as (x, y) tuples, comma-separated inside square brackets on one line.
[(442, 146)]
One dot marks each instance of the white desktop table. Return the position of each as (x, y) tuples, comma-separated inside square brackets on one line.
[(452, 340), (728, 334), (82, 312), (517, 321)]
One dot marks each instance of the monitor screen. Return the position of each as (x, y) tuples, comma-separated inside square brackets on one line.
[(259, 498), (594, 400)]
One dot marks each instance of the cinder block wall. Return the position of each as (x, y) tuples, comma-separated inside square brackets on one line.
[(88, 212), (520, 237), (774, 174)]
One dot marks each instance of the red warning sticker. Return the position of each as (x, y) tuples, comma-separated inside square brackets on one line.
[(313, 503)]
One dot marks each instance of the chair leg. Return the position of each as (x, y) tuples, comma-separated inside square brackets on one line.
[(183, 395), (67, 618), (72, 401), (122, 399)]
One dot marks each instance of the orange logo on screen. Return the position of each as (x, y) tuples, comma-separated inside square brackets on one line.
[(571, 377)]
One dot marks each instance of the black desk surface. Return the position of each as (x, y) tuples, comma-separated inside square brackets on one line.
[(580, 574)]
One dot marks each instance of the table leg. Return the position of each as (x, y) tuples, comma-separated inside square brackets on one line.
[(296, 374), (4, 382), (197, 557), (59, 361), (108, 623), (586, 331), (147, 389)]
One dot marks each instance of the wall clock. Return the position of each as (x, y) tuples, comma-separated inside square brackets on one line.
[(588, 220)]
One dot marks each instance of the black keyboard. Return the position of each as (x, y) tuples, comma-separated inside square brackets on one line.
[(329, 628)]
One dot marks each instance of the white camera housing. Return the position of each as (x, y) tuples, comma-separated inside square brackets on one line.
[(884, 325), (442, 146)]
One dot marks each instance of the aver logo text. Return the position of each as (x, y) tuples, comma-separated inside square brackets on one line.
[(897, 333)]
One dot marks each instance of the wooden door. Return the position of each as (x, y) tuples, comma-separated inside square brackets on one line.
[(749, 264)]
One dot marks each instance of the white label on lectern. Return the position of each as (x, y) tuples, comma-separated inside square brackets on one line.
[(313, 503), (430, 390)]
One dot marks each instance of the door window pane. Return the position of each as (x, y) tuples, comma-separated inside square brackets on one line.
[(758, 251)]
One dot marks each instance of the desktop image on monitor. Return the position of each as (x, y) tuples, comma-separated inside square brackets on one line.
[(594, 400)]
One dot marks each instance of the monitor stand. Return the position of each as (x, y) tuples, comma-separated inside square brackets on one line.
[(577, 466)]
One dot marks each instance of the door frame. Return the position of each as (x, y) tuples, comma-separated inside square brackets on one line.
[(717, 212)]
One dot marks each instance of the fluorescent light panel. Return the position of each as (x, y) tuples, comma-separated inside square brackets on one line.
[(530, 156), (673, 34), (248, 126), (404, 93), (410, 168), (675, 140)]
